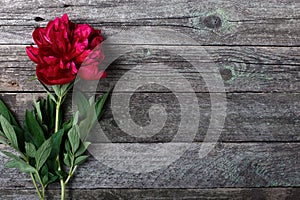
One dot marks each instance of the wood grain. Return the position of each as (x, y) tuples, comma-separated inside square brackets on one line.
[(227, 165), (254, 23), (255, 48), (249, 116), (243, 69), (163, 194)]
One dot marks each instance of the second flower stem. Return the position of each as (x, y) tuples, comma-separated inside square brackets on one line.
[(36, 187)]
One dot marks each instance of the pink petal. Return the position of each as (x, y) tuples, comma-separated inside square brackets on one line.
[(90, 73), (38, 36), (65, 18), (82, 31), (79, 59), (32, 53), (50, 60)]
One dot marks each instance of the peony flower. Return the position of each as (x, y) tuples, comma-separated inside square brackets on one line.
[(62, 46)]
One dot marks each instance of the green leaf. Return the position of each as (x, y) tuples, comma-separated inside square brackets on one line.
[(86, 125), (52, 164), (92, 100), (13, 120), (33, 78), (50, 113), (61, 174), (83, 147), (32, 126), (84, 129), (80, 160), (20, 137), (52, 178), (50, 95), (4, 111), (57, 90), (65, 88), (17, 162), (100, 104), (2, 134), (2, 141), (9, 154), (44, 170), (9, 132), (30, 150), (3, 138), (45, 179), (44, 174), (43, 153), (71, 155), (7, 114), (68, 125), (75, 119), (37, 106), (74, 138), (36, 178), (67, 146), (67, 161), (56, 138), (20, 164), (82, 103)]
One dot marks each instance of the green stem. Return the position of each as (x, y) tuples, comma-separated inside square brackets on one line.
[(57, 111), (58, 104), (42, 196), (40, 180), (63, 188), (71, 172), (36, 187)]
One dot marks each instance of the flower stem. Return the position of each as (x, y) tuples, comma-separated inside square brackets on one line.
[(63, 188), (57, 111), (36, 187)]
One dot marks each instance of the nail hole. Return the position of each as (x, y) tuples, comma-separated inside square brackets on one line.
[(212, 21), (38, 19), (14, 84)]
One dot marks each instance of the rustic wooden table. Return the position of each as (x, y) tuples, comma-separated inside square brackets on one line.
[(255, 47)]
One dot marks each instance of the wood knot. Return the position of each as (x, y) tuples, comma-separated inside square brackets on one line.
[(226, 74), (38, 19), (212, 21)]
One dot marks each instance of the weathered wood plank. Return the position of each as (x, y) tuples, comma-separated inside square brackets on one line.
[(210, 22), (258, 69), (263, 125), (249, 116), (162, 194), (227, 165)]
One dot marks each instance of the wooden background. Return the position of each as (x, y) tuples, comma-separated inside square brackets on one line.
[(255, 45)]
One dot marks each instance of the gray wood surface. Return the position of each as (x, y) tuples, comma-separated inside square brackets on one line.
[(255, 47), (244, 69), (242, 23), (163, 194), (228, 165), (250, 116)]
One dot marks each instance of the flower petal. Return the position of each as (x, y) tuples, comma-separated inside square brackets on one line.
[(32, 53), (91, 72)]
